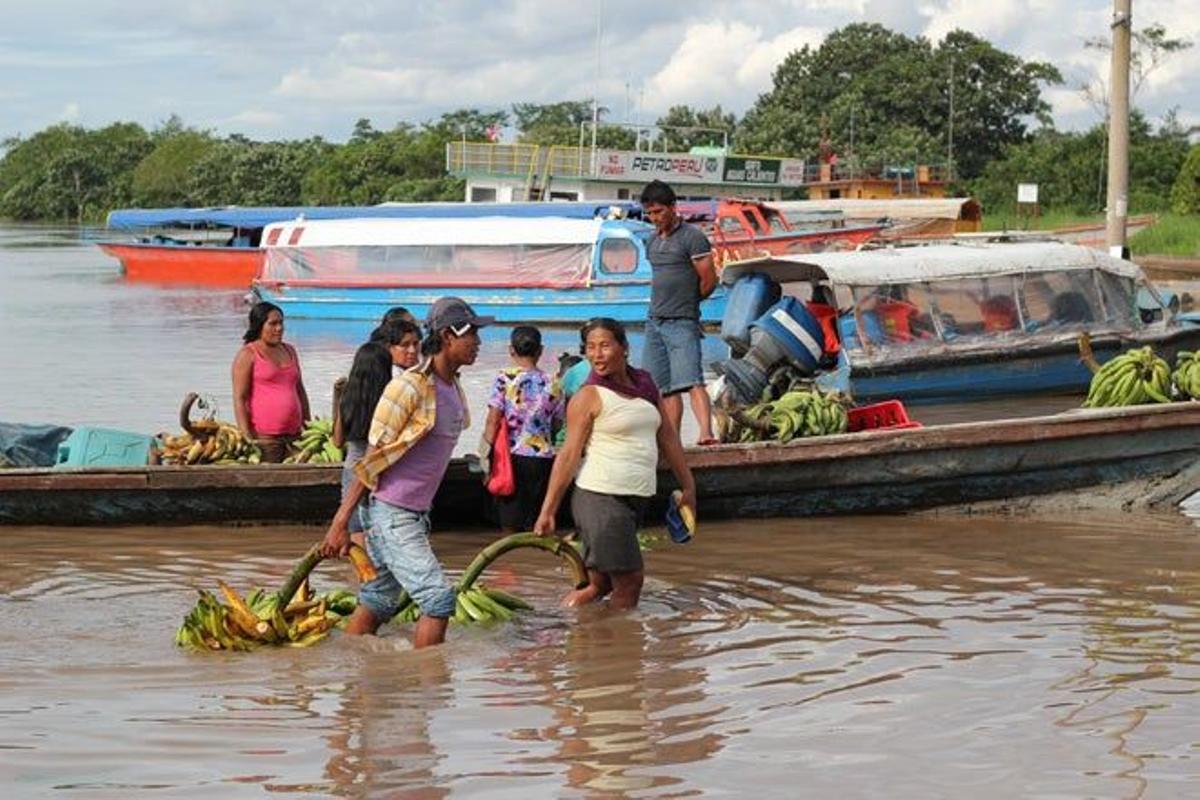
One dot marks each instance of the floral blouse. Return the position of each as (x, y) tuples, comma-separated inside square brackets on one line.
[(533, 406)]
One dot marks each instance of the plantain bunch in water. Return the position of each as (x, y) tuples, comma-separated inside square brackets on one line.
[(296, 617)]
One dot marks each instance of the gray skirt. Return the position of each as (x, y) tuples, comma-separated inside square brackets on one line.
[(608, 526)]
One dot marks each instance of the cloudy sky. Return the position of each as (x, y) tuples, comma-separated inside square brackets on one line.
[(271, 69)]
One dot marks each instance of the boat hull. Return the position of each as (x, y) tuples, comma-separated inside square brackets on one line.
[(183, 265), (1021, 368), (1091, 452), (627, 302)]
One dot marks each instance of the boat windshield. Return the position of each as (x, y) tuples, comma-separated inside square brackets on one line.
[(553, 265), (973, 310)]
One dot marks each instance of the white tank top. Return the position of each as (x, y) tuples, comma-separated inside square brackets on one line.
[(622, 455)]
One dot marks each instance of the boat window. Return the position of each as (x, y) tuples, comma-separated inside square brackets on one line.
[(778, 225), (433, 265), (977, 307), (892, 315), (1070, 300), (1119, 298), (618, 256), (731, 225)]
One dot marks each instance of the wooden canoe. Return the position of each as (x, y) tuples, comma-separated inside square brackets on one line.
[(1092, 452)]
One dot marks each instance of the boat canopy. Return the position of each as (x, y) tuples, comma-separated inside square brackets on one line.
[(935, 262), (260, 217), (489, 251)]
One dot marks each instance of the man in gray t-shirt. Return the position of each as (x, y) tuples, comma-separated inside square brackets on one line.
[(683, 275)]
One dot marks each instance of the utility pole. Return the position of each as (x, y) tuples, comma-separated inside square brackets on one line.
[(1118, 129), (950, 133), (596, 89)]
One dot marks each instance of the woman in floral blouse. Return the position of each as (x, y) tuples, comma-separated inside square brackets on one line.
[(532, 405)]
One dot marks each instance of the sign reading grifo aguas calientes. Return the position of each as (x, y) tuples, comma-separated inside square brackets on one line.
[(623, 165)]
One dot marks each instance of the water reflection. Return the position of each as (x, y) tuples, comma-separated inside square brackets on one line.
[(1032, 656)]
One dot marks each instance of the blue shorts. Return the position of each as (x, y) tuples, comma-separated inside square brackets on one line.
[(672, 354), (398, 543)]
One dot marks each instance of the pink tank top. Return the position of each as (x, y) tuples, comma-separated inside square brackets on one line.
[(274, 396)]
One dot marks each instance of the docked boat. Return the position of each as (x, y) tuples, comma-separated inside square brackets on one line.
[(1133, 457), (970, 320), (545, 270), (741, 229), (219, 247)]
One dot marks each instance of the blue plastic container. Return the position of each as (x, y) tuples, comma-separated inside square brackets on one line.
[(750, 296), (848, 329), (796, 331), (103, 447)]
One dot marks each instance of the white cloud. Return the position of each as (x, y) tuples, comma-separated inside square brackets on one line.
[(723, 62), (70, 113), (989, 18)]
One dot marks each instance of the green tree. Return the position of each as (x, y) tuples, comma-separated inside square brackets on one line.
[(161, 178), (66, 172), (563, 124), (255, 174), (1069, 168), (1185, 194), (865, 82), (684, 127)]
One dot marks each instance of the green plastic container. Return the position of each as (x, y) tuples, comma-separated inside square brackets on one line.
[(103, 447)]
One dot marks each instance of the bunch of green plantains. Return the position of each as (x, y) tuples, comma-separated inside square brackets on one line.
[(1186, 376), (294, 616), (799, 412), (315, 445), (1135, 377)]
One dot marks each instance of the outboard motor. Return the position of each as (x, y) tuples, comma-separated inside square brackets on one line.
[(748, 299), (787, 332)]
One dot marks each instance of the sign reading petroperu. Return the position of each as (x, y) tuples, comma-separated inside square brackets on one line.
[(677, 167)]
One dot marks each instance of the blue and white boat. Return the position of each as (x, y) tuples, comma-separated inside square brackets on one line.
[(219, 247), (537, 270), (972, 320)]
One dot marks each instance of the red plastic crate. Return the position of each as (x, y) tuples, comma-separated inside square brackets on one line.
[(888, 415)]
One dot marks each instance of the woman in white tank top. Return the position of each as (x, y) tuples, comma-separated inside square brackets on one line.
[(617, 420)]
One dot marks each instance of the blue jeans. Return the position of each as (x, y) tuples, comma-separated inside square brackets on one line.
[(672, 354), (398, 543)]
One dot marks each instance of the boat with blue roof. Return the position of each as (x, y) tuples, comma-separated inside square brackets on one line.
[(520, 270)]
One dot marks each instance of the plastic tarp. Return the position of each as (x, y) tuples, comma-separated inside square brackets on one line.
[(30, 445), (432, 265), (260, 217), (494, 251)]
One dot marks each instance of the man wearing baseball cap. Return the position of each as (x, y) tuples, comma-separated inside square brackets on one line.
[(413, 433)]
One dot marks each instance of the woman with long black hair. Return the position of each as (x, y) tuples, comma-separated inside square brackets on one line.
[(369, 376), (269, 400)]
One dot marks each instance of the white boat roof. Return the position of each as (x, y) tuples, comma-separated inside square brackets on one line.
[(895, 208), (433, 231), (932, 262)]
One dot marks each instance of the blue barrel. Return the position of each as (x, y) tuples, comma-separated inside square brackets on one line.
[(796, 332), (750, 296)]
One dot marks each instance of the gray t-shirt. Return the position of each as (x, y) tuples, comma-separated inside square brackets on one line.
[(675, 286)]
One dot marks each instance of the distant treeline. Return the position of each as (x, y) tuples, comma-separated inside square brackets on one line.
[(866, 94)]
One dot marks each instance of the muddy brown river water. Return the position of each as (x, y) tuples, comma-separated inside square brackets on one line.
[(925, 656), (914, 656)]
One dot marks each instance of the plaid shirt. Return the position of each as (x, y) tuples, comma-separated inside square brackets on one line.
[(405, 413)]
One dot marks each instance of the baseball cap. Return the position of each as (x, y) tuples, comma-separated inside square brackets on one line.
[(454, 313)]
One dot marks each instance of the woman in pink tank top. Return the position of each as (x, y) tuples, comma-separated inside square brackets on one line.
[(269, 399)]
